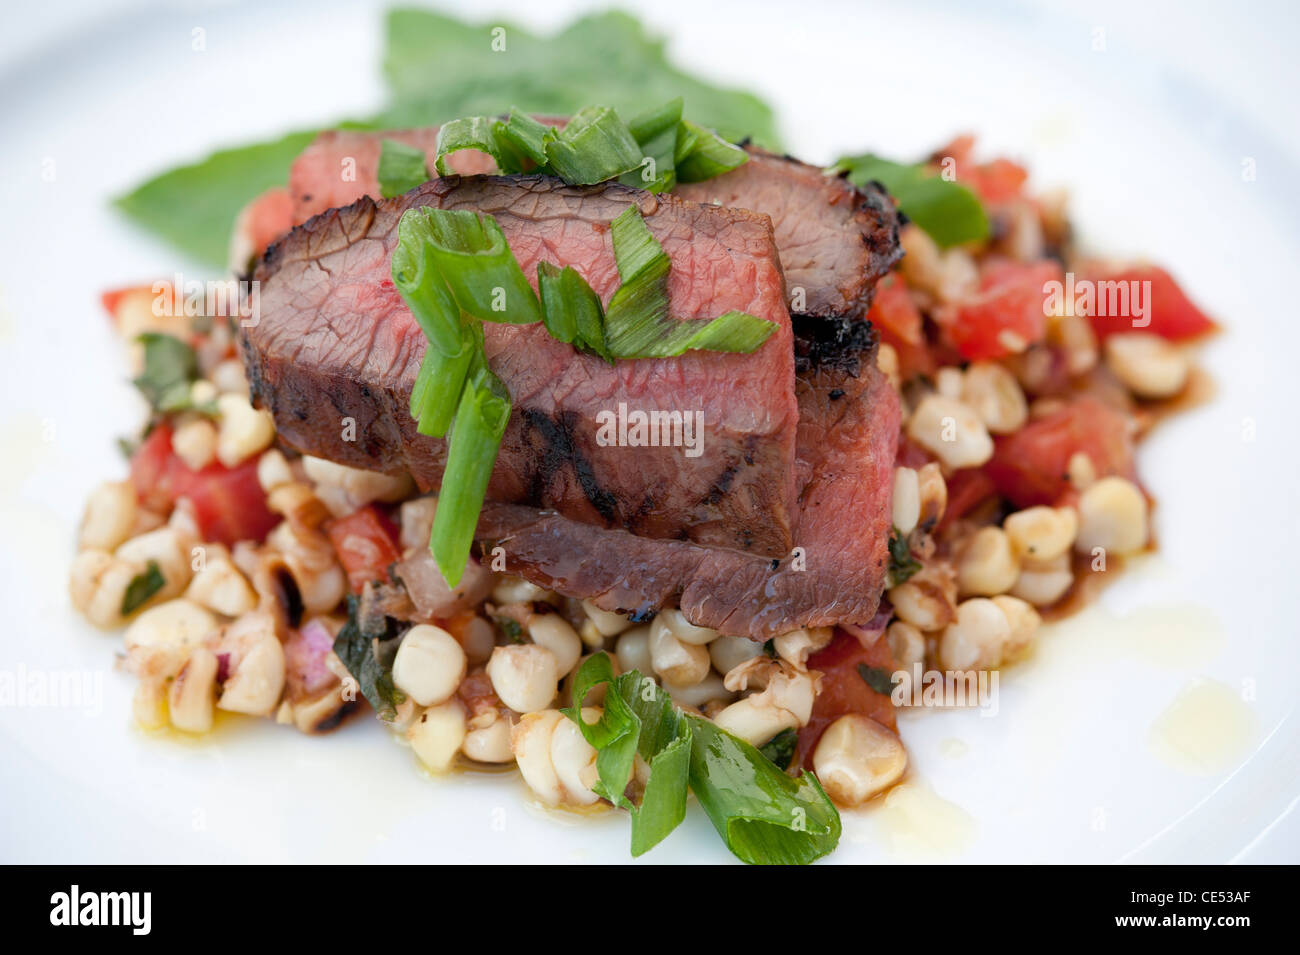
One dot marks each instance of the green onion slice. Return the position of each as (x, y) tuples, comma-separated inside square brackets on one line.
[(476, 434), (593, 146)]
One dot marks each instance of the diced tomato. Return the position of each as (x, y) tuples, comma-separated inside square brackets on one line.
[(366, 543), (266, 218), (229, 503), (1030, 466), (844, 689), (967, 488), (997, 181), (1006, 313), (894, 311), (149, 466), (899, 321), (1172, 314)]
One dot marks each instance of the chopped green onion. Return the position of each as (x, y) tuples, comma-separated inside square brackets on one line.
[(421, 284), (948, 211), (443, 381), (571, 309), (762, 814), (704, 154), (637, 324), (527, 136), (470, 132), (475, 439), (475, 260), (656, 132), (401, 168), (593, 146)]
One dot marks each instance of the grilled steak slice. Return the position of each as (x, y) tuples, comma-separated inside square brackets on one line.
[(836, 240), (335, 355), (848, 433)]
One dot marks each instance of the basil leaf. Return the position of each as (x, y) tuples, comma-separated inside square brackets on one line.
[(142, 586), (170, 367), (948, 211), (439, 66), (401, 168), (359, 652)]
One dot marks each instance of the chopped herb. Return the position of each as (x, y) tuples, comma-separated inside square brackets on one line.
[(170, 368), (947, 210), (780, 748), (366, 655), (878, 678), (763, 815), (902, 565), (510, 627), (142, 586), (401, 168), (438, 66)]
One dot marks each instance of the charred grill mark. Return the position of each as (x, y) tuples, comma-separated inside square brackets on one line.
[(558, 449), (721, 485), (835, 343)]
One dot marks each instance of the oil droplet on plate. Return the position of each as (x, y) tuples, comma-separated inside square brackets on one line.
[(954, 748), (918, 822), (1204, 730)]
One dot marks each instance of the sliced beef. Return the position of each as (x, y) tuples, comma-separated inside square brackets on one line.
[(335, 354), (836, 240), (848, 432)]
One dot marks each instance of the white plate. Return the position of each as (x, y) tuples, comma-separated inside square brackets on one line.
[(1067, 770)]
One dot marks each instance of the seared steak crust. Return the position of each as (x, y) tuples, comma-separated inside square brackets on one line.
[(836, 240), (848, 432), (335, 354)]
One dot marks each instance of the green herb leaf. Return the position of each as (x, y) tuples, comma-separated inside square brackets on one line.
[(948, 211), (762, 814), (170, 367), (438, 66), (878, 678), (780, 748), (902, 565), (361, 653), (637, 324), (401, 168), (142, 586)]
